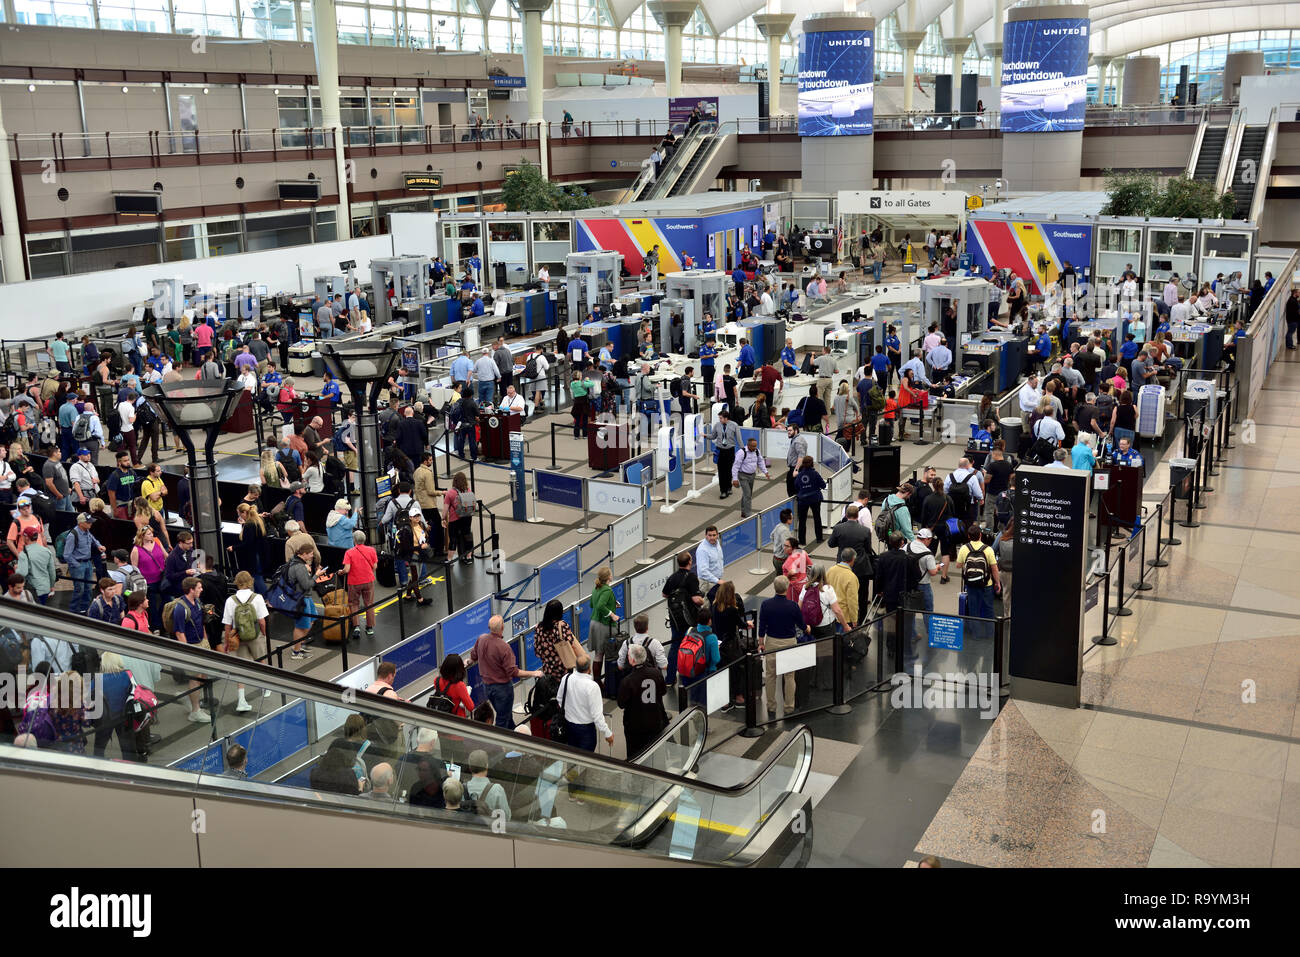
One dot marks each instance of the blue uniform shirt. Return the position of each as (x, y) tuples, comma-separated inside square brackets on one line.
[(330, 390), (1128, 352), (477, 308), (1044, 346), (787, 359), (891, 342), (880, 362), (747, 357), (709, 328)]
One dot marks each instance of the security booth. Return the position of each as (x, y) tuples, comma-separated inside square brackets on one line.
[(327, 286), (405, 274), (706, 291), (591, 279), (968, 317)]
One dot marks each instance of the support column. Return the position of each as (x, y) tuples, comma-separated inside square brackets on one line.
[(956, 48), (773, 27), (11, 243), (1103, 66), (994, 50), (530, 12), (1141, 80), (672, 16), (1042, 138), (325, 44), (910, 41), (836, 144)]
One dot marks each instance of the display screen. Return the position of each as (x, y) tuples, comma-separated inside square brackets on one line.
[(1044, 75), (836, 70)]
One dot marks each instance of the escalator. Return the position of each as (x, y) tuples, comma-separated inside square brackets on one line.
[(717, 151), (1248, 168), (694, 141), (562, 805), (1205, 166)]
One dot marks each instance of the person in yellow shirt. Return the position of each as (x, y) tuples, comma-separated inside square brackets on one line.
[(153, 489)]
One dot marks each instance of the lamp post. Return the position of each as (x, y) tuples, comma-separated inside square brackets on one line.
[(198, 409), (362, 364)]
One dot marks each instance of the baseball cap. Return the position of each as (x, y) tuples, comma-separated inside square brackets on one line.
[(31, 531), (83, 451), (924, 533), (84, 519)]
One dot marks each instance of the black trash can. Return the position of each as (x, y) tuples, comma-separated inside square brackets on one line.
[(1180, 477), (1011, 429)]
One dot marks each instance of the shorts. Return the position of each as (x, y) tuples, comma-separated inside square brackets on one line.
[(252, 650), (308, 617), (187, 676)]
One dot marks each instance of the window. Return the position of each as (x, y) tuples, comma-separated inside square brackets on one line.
[(506, 232), (352, 24), (326, 225), (270, 19), (224, 238), (552, 231), (183, 242), (281, 229), (48, 257), (62, 13), (114, 249), (140, 16), (214, 18)]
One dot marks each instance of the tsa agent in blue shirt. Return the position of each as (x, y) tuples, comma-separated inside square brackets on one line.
[(788, 364), (476, 307), (738, 277), (893, 348), (1044, 346), (708, 352), (709, 327), (747, 359), (1124, 455), (880, 366), (579, 353), (330, 389), (606, 357), (1163, 326), (476, 264), (1129, 350)]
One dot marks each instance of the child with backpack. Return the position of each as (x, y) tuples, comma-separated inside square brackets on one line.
[(244, 621), (698, 654)]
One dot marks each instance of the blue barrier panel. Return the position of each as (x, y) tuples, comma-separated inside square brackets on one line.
[(211, 761), (770, 519), (558, 575), (461, 630), (300, 778), (755, 434), (531, 661), (414, 658), (275, 738), (739, 541), (946, 632), (584, 610), (558, 489)]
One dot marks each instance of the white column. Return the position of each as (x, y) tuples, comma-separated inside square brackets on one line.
[(11, 243), (909, 40), (325, 43), (995, 48), (774, 26), (672, 16), (530, 12)]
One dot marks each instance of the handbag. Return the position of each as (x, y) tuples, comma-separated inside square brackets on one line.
[(571, 653)]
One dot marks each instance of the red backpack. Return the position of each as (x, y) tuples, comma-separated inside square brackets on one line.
[(691, 655), (810, 605)]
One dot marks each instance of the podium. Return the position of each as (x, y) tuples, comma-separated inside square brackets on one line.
[(241, 419), (609, 445), (307, 407), (496, 428), (1122, 499)]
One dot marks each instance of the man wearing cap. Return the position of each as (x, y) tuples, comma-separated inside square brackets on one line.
[(85, 480), (37, 564), (79, 550), (293, 504), (918, 552), (67, 418)]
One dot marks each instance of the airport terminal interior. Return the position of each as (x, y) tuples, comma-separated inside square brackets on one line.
[(597, 433)]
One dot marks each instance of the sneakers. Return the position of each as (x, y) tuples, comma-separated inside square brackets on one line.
[(300, 655), (200, 717), (370, 632), (243, 704)]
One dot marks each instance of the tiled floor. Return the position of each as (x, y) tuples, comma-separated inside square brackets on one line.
[(1187, 751)]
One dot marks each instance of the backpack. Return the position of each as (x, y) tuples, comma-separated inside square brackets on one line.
[(169, 616), (145, 416), (134, 580), (245, 620), (883, 523), (542, 703), (530, 368), (81, 428), (141, 705), (39, 723), (291, 468), (976, 572), (810, 607), (438, 701), (11, 651), (959, 492), (48, 431), (1003, 506), (465, 503), (691, 655), (339, 436), (681, 609)]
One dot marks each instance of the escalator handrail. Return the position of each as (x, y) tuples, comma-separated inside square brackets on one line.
[(685, 152), (41, 620)]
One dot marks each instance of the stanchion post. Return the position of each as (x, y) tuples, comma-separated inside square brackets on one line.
[(446, 581), (753, 688), (1104, 638), (1122, 611), (1159, 561), (553, 460), (1142, 583), (839, 706), (758, 541), (536, 518)]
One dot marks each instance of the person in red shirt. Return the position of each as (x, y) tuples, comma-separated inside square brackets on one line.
[(769, 376), (137, 612), (359, 563), (451, 684), (202, 342), (887, 419)]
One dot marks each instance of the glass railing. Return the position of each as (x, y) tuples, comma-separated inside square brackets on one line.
[(316, 744)]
